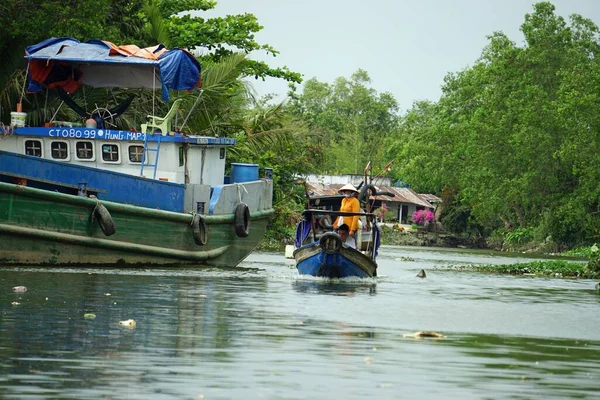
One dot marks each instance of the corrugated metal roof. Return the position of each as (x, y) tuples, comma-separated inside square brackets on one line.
[(401, 194), (432, 198)]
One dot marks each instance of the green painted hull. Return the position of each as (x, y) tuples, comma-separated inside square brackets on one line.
[(39, 227)]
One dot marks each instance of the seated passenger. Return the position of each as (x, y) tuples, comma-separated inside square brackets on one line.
[(347, 240)]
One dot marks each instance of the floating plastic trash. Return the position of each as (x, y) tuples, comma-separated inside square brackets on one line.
[(422, 334), (130, 323)]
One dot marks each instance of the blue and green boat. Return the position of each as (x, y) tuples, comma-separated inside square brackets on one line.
[(91, 192)]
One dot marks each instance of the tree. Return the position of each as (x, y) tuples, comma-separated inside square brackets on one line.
[(516, 136), (354, 118), (143, 22)]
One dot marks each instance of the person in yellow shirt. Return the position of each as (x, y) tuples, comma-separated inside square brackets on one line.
[(350, 203)]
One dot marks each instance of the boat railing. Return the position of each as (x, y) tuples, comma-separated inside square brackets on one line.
[(317, 228), (337, 213)]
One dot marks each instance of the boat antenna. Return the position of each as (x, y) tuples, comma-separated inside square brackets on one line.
[(192, 109), (384, 170), (57, 110), (153, 88), (20, 104)]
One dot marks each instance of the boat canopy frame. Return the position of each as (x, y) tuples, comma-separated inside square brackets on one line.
[(69, 63)]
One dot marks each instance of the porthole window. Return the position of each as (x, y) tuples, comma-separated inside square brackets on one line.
[(59, 150), (33, 148), (136, 154), (110, 152), (84, 150)]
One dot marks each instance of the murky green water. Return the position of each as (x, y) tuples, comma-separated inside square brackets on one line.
[(264, 332)]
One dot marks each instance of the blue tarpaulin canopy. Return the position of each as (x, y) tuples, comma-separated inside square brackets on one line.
[(68, 63)]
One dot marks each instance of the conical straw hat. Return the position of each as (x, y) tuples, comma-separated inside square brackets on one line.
[(348, 187)]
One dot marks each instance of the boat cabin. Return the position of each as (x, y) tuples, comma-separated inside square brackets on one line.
[(175, 158), (150, 164)]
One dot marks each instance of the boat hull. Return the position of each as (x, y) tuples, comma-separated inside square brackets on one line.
[(312, 260), (39, 227)]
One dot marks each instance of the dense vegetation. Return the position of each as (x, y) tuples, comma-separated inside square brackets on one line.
[(512, 145)]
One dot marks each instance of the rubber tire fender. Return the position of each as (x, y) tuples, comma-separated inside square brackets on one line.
[(242, 220), (325, 222), (328, 237), (200, 230), (104, 219)]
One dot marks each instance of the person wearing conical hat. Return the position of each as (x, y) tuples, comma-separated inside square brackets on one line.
[(350, 203)]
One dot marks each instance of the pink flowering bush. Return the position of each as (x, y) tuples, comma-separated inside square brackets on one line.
[(421, 216), (380, 212)]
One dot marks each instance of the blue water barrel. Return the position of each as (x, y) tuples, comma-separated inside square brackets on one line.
[(241, 172)]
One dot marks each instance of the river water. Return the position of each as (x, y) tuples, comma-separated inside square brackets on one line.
[(262, 332)]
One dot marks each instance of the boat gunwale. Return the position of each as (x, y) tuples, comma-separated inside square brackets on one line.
[(125, 208)]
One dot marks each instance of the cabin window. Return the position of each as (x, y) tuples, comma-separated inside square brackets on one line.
[(84, 150), (181, 156), (110, 152), (136, 154), (59, 150), (222, 153), (33, 148)]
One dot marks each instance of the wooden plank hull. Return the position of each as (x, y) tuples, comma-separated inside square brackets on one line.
[(312, 260), (39, 227)]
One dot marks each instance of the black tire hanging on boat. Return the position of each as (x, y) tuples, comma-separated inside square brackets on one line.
[(242, 220), (104, 219), (330, 243), (200, 230), (325, 222)]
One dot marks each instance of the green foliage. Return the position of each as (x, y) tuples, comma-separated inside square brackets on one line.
[(516, 136), (518, 236), (554, 268), (28, 22), (592, 268), (220, 37), (142, 22), (456, 217), (582, 252), (353, 120)]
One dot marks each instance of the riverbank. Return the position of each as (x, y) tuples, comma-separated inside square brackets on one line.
[(405, 237), (573, 268), (420, 238)]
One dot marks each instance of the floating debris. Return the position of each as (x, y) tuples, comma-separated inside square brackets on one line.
[(422, 334), (89, 316), (19, 289), (14, 303), (130, 323), (422, 274)]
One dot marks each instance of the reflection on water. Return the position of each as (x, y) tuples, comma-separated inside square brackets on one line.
[(338, 287), (262, 331)]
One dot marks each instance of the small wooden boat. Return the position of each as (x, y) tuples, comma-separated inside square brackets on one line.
[(320, 250)]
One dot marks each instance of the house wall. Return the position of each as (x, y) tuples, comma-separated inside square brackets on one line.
[(344, 179), (399, 216)]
